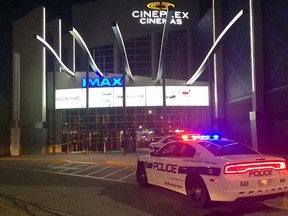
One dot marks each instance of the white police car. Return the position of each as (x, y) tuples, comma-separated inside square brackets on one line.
[(213, 170), (156, 145)]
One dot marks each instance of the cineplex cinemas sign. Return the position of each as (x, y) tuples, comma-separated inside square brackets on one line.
[(157, 14)]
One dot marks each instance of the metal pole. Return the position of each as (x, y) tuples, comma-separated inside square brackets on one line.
[(124, 136), (210, 72), (87, 105), (54, 109), (164, 99)]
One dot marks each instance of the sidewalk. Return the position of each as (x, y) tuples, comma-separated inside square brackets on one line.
[(115, 158)]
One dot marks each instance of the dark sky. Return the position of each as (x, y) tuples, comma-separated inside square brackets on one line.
[(18, 8)]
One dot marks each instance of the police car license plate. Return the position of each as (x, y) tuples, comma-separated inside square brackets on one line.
[(264, 183)]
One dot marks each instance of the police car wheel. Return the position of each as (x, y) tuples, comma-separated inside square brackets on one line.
[(141, 176), (198, 193)]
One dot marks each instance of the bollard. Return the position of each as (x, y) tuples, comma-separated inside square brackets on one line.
[(104, 148)]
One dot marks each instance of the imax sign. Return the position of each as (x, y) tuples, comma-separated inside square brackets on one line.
[(102, 82)]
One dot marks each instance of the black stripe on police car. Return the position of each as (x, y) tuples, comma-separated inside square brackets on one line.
[(172, 168)]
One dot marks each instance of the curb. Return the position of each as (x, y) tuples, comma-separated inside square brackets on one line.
[(107, 163), (35, 159)]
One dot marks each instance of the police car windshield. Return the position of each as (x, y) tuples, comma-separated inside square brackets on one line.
[(222, 148)]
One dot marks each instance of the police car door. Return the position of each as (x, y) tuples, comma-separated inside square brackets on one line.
[(183, 158), (163, 164)]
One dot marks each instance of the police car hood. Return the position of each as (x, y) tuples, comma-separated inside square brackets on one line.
[(250, 158), (155, 143)]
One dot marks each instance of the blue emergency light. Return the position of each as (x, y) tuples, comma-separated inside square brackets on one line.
[(200, 137)]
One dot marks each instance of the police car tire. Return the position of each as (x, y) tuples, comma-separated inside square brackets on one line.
[(198, 192), (141, 176)]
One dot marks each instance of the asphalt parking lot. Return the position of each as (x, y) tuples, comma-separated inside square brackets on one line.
[(107, 171)]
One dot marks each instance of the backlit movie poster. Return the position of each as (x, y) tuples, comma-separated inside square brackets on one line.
[(135, 97)]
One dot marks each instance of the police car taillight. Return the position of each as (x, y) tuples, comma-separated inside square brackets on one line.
[(239, 168)]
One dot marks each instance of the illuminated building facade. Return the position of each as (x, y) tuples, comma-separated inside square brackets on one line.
[(58, 107)]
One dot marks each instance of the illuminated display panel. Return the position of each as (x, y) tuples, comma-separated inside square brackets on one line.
[(199, 95), (187, 96), (184, 96), (135, 97), (118, 97), (154, 96), (172, 96), (101, 97), (70, 98)]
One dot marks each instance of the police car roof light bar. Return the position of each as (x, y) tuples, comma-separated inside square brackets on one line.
[(200, 137)]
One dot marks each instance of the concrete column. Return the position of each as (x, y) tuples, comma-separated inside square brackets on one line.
[(218, 102), (58, 131), (15, 129), (33, 82), (257, 121), (154, 55), (116, 58), (16, 90), (190, 52), (194, 19)]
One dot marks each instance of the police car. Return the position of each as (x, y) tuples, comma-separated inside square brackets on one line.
[(156, 145), (211, 169)]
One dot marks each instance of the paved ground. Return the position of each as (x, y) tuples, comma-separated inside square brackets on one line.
[(116, 158), (103, 166)]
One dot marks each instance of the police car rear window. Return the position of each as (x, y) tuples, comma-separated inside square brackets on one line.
[(222, 148)]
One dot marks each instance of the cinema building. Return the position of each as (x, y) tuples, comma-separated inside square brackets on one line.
[(120, 68)]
